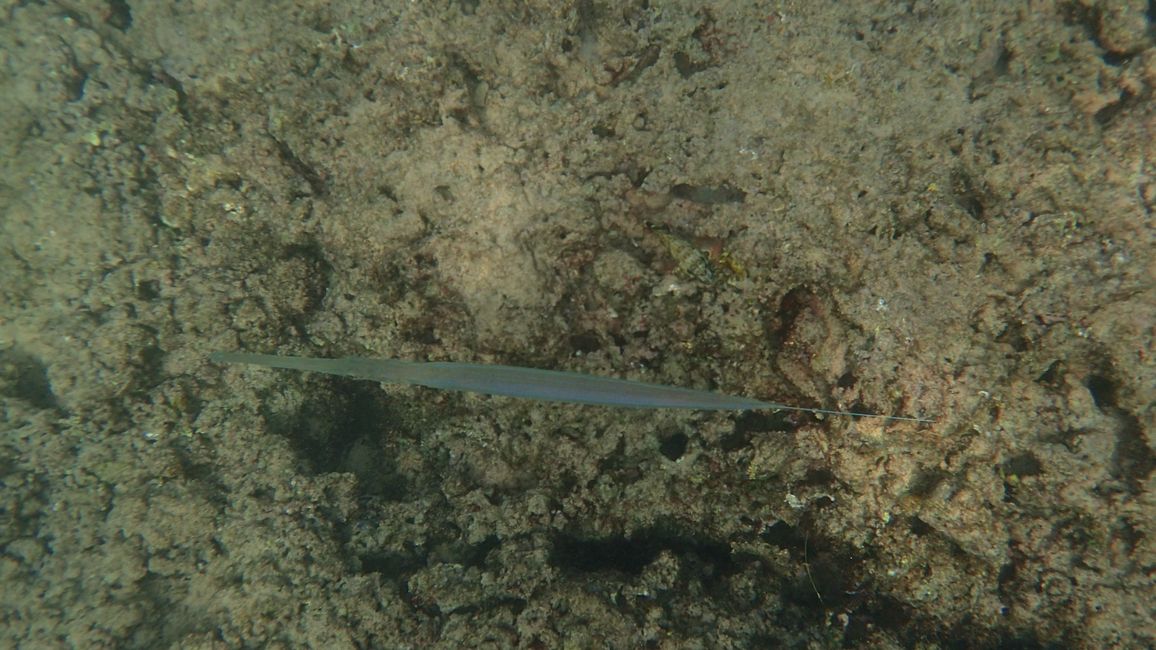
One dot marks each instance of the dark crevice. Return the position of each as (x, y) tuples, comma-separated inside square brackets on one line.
[(1051, 376), (585, 342), (756, 423), (967, 195), (708, 195), (1021, 465), (346, 426), (643, 60), (630, 555), (1105, 115), (819, 477), (920, 528), (674, 446), (391, 565), (829, 579), (1015, 335), (1103, 391), (156, 75), (686, 67), (793, 304), (925, 481), (472, 115), (77, 80), (119, 15), (25, 377), (306, 171), (1133, 459), (1128, 534)]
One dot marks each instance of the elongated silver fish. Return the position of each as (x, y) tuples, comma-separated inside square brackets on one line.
[(529, 383)]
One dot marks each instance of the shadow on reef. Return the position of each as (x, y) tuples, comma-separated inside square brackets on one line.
[(820, 582)]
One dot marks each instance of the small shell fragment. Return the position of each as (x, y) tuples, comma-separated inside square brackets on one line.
[(689, 261)]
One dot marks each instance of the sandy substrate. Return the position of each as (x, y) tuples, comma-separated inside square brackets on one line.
[(938, 209)]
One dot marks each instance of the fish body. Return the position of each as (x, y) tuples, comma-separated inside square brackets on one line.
[(526, 383)]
